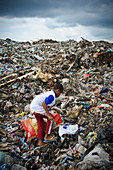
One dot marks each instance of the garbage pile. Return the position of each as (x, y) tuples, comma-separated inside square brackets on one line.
[(84, 127)]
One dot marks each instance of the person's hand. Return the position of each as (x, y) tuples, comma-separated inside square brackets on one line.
[(50, 118)]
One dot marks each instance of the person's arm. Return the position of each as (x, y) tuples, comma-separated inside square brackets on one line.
[(46, 110)]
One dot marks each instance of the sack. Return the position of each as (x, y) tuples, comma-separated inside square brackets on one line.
[(58, 120), (30, 126)]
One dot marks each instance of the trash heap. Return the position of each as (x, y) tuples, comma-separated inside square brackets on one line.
[(84, 126)]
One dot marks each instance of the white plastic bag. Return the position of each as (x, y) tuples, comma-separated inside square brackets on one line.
[(70, 129)]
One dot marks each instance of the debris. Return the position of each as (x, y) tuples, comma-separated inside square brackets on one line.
[(84, 114)]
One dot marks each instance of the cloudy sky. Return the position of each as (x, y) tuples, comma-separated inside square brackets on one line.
[(26, 20)]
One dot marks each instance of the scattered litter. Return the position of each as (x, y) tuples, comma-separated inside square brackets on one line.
[(84, 123)]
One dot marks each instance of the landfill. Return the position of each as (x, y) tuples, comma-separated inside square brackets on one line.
[(84, 126)]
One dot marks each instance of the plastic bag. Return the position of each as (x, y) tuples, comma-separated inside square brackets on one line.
[(97, 158), (58, 120), (30, 126), (70, 129)]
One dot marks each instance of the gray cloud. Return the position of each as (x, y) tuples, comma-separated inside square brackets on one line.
[(103, 33), (63, 13), (71, 12)]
